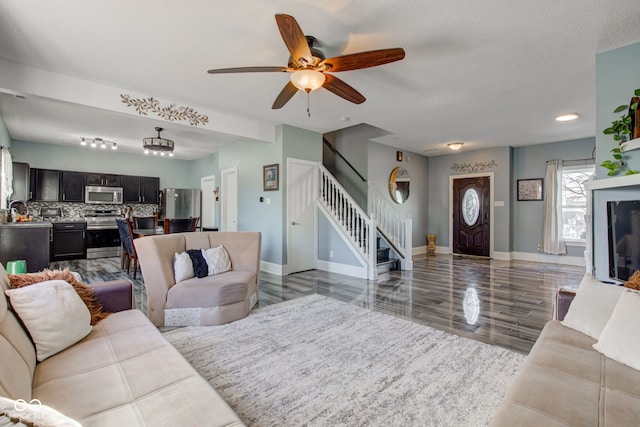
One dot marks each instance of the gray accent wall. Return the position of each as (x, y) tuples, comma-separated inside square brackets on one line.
[(531, 162), (439, 173), (382, 160)]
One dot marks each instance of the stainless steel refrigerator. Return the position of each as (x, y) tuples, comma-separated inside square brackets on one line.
[(179, 203)]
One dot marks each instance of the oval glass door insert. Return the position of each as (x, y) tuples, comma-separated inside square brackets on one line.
[(470, 206)]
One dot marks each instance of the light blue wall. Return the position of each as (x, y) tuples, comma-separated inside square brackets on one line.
[(5, 140), (172, 172), (439, 173), (530, 162), (381, 161), (331, 241), (249, 157), (617, 76)]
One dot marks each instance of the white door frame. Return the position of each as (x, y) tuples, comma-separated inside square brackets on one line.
[(291, 160), (491, 207), (223, 199), (202, 181)]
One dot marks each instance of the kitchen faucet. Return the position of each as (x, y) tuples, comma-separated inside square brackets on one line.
[(18, 201)]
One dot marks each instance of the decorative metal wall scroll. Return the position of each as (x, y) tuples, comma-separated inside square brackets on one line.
[(143, 106), (475, 167)]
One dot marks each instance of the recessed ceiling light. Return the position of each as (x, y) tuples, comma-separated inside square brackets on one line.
[(566, 117)]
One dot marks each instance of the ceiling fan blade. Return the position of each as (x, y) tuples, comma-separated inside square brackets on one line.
[(285, 95), (343, 90), (293, 37), (372, 58), (248, 70)]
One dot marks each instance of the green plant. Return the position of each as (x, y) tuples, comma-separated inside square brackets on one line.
[(621, 131)]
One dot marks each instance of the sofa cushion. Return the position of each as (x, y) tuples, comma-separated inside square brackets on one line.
[(564, 381), (85, 292), (182, 267), (218, 260), (53, 313), (221, 289), (592, 307), (620, 339), (126, 373)]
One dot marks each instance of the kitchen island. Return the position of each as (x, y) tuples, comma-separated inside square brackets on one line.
[(26, 240)]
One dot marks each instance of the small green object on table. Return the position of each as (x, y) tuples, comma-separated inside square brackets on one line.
[(17, 267)]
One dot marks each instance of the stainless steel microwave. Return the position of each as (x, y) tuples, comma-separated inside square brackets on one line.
[(103, 195)]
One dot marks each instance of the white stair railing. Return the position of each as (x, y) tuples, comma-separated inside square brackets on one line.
[(393, 225), (354, 222)]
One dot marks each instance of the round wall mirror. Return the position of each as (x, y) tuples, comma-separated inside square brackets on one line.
[(399, 185)]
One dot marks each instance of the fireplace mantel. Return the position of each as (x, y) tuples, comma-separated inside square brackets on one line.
[(616, 182)]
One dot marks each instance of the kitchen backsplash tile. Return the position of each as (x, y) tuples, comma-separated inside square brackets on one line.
[(74, 210)]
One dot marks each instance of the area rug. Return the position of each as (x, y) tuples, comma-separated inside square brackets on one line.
[(317, 361)]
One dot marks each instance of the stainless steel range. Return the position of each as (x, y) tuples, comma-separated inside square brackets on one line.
[(103, 239)]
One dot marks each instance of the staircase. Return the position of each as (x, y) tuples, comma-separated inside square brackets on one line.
[(384, 223)]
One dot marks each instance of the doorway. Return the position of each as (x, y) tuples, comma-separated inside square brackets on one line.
[(208, 186), (471, 203), (301, 215), (229, 199)]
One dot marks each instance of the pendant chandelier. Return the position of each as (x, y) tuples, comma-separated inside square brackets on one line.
[(158, 144)]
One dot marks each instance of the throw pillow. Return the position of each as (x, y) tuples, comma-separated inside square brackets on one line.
[(53, 313), (85, 292), (182, 267), (32, 413), (217, 259), (634, 281), (592, 306), (620, 340), (200, 267)]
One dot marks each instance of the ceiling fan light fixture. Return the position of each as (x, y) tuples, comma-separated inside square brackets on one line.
[(455, 145), (307, 80), (157, 144)]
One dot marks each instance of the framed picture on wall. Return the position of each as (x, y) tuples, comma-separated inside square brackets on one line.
[(529, 189), (270, 177)]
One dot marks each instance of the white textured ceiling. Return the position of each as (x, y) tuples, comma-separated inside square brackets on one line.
[(490, 73)]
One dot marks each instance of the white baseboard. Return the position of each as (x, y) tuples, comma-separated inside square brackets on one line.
[(549, 259), (504, 256), (269, 267), (347, 270), (419, 250), (528, 256)]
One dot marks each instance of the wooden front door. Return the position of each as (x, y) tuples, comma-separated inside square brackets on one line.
[(471, 202)]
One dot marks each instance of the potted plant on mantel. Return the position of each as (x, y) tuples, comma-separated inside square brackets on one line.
[(622, 130)]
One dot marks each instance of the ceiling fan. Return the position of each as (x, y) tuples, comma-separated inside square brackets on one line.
[(310, 69)]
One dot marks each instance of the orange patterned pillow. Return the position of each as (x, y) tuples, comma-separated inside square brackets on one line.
[(87, 294)]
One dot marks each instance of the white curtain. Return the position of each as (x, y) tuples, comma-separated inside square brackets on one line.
[(552, 240), (6, 177)]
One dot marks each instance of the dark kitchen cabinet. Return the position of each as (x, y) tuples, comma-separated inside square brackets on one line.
[(140, 189), (45, 185), (20, 181), (27, 241), (69, 241), (103, 179), (150, 187), (72, 186)]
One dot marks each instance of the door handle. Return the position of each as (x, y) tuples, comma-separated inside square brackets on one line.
[(295, 223)]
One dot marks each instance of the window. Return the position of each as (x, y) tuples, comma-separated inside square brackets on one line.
[(574, 202)]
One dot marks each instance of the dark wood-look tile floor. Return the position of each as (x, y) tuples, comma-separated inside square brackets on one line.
[(503, 303)]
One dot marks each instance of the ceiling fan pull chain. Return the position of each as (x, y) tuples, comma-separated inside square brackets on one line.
[(309, 104)]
